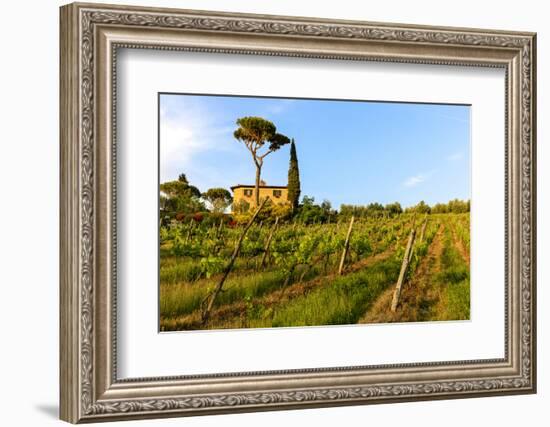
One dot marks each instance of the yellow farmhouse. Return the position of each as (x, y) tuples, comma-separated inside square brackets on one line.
[(245, 193)]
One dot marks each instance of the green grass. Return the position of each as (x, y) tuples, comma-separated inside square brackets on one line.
[(455, 279), (459, 300), (184, 298), (175, 270), (179, 299), (341, 301)]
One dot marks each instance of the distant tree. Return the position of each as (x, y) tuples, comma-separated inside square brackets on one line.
[(374, 209), (293, 177), (422, 208), (309, 212), (393, 208), (174, 188), (362, 211), (219, 198), (453, 206), (458, 206), (308, 201), (326, 205), (440, 208), (346, 211), (328, 213), (255, 132), (194, 191), (179, 188), (179, 196), (183, 204)]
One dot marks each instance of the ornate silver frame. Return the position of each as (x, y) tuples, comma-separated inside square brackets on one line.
[(90, 36)]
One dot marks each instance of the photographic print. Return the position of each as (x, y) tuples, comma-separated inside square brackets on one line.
[(310, 226), (279, 212)]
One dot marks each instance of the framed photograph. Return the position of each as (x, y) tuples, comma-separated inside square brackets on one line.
[(266, 212)]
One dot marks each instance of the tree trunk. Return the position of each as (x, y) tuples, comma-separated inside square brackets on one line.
[(229, 266), (257, 189)]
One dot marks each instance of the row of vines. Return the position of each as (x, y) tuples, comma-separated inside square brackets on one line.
[(276, 256), (285, 246)]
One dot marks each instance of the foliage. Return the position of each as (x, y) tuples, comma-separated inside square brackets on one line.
[(297, 284), (376, 210), (341, 302), (183, 205), (459, 206), (219, 198), (293, 178), (454, 206), (179, 189), (311, 213), (241, 207), (179, 196), (393, 208), (462, 229), (455, 279), (242, 212), (420, 208), (370, 210), (255, 132)]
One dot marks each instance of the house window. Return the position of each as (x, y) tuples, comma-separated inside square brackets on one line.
[(277, 193), (248, 192)]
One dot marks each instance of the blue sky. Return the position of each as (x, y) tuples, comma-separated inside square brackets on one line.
[(349, 152)]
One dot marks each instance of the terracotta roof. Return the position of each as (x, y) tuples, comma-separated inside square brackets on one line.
[(253, 186)]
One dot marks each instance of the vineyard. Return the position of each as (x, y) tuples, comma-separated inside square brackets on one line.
[(275, 274)]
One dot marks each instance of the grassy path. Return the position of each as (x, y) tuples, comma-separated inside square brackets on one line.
[(418, 296), (265, 307), (182, 291), (438, 288), (459, 245)]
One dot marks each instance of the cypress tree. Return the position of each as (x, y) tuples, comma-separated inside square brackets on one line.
[(293, 177)]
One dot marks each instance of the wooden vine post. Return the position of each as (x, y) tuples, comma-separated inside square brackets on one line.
[(413, 225), (423, 230), (229, 266), (346, 247), (268, 242), (403, 272)]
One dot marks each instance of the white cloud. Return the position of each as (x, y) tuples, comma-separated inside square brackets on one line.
[(198, 141), (413, 181), (187, 132), (417, 179), (456, 156)]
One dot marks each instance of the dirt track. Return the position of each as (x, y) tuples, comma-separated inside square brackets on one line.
[(417, 296), (235, 310)]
